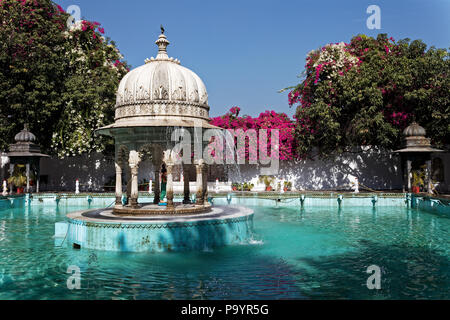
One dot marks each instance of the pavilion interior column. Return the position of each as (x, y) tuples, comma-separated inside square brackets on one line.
[(157, 185), (28, 176), (134, 168), (408, 174), (169, 186), (157, 161), (128, 184), (429, 182), (199, 168), (118, 166), (186, 187)]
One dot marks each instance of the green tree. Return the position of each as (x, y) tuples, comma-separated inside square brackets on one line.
[(60, 79), (32, 66), (364, 93)]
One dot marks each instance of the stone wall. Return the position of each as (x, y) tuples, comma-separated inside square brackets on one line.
[(374, 170)]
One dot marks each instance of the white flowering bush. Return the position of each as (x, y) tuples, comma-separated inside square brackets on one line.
[(95, 71), (331, 61)]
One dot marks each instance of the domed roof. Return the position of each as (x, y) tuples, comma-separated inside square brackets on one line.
[(161, 88), (25, 136), (414, 130), (416, 141), (25, 146)]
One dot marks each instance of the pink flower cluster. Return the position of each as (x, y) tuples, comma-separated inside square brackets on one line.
[(399, 118), (268, 120), (318, 69), (293, 97), (30, 11)]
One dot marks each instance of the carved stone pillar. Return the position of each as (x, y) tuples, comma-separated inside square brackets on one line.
[(134, 167), (134, 187), (186, 188), (408, 174), (38, 178), (28, 176), (429, 182), (118, 184), (169, 187), (200, 184), (11, 170)]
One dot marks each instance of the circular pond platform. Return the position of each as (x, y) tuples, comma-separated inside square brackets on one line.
[(102, 229)]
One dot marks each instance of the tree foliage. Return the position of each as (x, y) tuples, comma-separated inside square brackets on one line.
[(364, 93), (60, 80), (32, 66)]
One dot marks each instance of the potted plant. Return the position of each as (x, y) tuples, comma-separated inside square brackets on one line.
[(18, 178), (418, 179), (247, 186), (267, 180), (287, 186)]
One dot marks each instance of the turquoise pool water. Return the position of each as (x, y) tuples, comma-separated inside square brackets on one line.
[(315, 253)]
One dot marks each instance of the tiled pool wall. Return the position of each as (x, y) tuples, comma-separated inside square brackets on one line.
[(314, 200), (158, 237), (434, 205), (12, 202), (334, 200)]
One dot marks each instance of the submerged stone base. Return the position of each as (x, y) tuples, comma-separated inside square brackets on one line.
[(103, 230)]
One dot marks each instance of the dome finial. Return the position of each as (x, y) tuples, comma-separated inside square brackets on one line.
[(162, 44)]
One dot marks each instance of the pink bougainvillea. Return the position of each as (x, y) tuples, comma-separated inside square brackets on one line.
[(268, 120), (331, 63)]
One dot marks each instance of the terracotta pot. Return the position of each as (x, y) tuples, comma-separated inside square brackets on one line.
[(234, 188), (286, 189), (268, 188), (415, 189), (19, 190)]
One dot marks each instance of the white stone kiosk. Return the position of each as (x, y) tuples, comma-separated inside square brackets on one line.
[(152, 101)]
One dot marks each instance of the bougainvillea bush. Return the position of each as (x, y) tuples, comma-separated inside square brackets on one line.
[(59, 79), (364, 93), (268, 120)]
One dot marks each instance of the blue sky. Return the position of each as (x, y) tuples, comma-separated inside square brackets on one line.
[(245, 51)]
